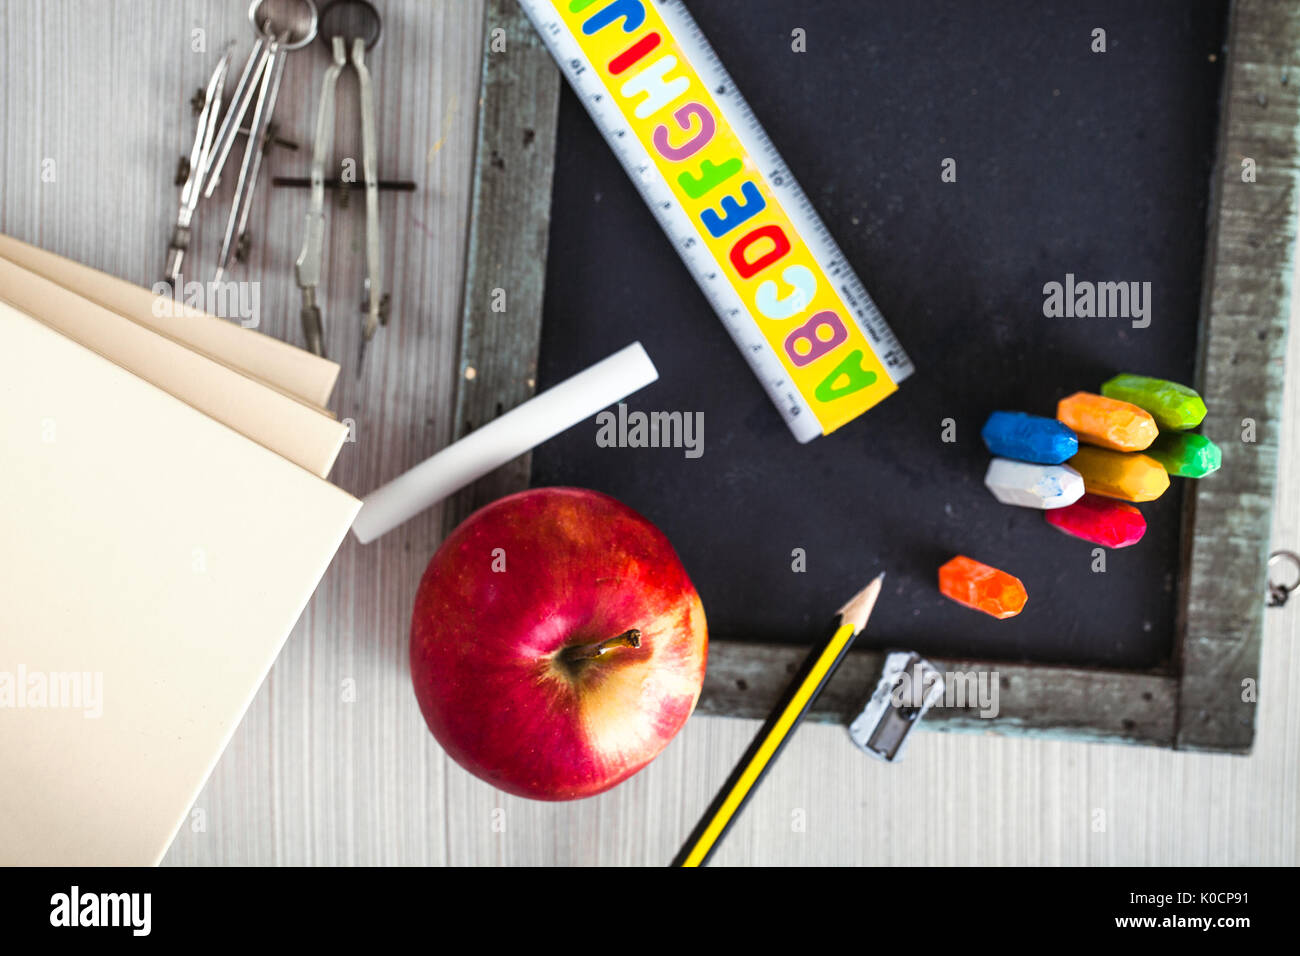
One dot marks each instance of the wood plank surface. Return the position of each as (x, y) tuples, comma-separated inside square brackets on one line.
[(332, 764), (746, 680), (501, 314), (1244, 323)]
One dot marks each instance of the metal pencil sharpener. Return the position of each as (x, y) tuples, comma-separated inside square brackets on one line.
[(909, 686)]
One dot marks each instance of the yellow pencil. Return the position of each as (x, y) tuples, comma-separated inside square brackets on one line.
[(762, 753)]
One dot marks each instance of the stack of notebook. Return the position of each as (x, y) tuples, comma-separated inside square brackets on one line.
[(164, 519)]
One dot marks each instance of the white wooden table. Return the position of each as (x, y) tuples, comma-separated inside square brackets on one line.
[(332, 764)]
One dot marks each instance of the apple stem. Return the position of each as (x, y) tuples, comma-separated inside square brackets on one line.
[(582, 652)]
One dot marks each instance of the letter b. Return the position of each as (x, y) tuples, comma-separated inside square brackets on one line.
[(819, 335)]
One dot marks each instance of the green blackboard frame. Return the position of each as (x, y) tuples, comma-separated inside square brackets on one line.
[(1199, 702)]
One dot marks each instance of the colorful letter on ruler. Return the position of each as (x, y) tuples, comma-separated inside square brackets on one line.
[(705, 167)]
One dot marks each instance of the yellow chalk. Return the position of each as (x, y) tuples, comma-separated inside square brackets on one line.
[(1107, 422), (1129, 476)]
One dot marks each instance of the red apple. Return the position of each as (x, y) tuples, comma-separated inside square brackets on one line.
[(557, 644)]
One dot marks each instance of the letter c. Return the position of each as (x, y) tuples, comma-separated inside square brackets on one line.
[(771, 306)]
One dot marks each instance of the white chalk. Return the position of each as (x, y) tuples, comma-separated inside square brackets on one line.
[(1029, 485), (492, 445)]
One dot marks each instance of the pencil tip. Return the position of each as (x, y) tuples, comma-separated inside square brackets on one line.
[(858, 608)]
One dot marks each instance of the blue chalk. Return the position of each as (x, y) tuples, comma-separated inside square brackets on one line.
[(1044, 441)]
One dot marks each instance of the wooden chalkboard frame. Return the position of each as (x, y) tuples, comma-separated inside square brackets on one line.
[(1202, 702)]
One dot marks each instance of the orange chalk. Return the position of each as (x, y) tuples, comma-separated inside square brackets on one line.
[(981, 587), (1129, 476), (1107, 422)]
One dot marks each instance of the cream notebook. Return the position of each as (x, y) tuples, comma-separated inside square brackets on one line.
[(152, 563), (300, 432), (292, 369)]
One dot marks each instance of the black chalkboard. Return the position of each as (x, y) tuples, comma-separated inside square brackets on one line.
[(1068, 161)]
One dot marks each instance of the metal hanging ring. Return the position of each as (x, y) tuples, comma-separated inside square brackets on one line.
[(263, 26), (1277, 592), (367, 13)]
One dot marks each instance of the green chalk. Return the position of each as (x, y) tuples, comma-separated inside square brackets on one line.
[(1186, 454), (1173, 406)]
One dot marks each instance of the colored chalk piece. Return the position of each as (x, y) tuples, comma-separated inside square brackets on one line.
[(1107, 422), (1028, 485), (1035, 438), (1103, 521), (1186, 454), (1129, 476), (1174, 407), (982, 588)]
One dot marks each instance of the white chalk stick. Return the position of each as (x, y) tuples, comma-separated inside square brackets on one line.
[(492, 445), (1030, 485)]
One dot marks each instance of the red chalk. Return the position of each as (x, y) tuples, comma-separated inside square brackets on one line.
[(1100, 520)]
